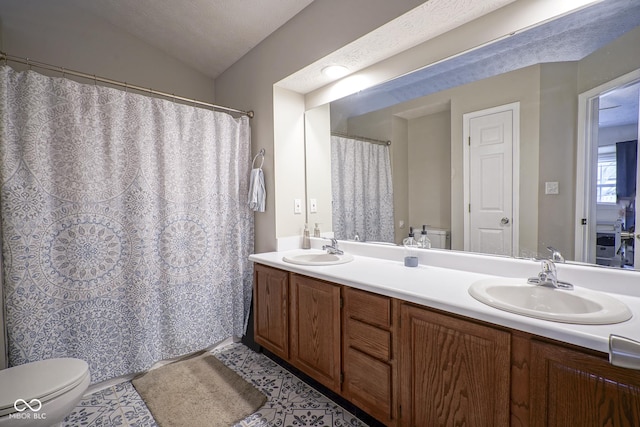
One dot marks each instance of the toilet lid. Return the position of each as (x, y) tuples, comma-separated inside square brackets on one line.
[(42, 380)]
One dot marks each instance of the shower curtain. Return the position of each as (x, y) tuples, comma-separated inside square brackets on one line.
[(362, 190), (125, 227)]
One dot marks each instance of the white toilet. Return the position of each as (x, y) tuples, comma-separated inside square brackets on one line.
[(41, 393)]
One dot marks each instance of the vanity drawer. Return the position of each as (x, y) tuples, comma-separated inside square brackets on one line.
[(368, 307), (369, 384), (368, 339)]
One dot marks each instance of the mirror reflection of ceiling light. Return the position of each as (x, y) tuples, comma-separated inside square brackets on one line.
[(335, 71)]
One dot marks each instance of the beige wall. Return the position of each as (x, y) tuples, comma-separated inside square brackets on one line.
[(321, 28), (400, 176), (62, 34), (429, 169), (614, 60), (318, 155), (558, 116)]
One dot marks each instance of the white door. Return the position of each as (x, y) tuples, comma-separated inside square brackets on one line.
[(490, 186)]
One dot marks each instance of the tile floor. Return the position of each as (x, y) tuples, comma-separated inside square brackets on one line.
[(290, 401)]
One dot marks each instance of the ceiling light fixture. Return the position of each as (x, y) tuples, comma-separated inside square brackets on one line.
[(335, 71)]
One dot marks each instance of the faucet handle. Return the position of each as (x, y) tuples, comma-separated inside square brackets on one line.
[(556, 256)]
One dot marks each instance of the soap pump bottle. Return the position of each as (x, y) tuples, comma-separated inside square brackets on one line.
[(316, 230), (410, 246), (306, 241), (424, 241)]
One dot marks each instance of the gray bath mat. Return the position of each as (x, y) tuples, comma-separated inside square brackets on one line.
[(199, 391)]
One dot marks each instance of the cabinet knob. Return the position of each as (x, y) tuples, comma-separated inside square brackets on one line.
[(624, 352)]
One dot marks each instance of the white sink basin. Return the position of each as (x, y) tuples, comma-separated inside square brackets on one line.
[(318, 258), (579, 305)]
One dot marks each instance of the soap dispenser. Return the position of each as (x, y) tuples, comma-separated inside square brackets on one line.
[(424, 241), (306, 241), (410, 250), (316, 230)]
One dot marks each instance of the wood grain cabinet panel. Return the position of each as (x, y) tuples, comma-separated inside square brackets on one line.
[(453, 372), (369, 363), (315, 329), (368, 339), (271, 309), (572, 388), (368, 383), (370, 308)]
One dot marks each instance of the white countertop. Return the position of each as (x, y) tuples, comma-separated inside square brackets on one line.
[(447, 289)]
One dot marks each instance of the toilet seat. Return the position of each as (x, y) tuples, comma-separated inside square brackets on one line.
[(43, 380)]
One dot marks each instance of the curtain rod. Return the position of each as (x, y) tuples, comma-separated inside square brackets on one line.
[(362, 138), (31, 63)]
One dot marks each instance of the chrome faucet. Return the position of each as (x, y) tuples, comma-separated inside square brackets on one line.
[(556, 256), (333, 247), (548, 277)]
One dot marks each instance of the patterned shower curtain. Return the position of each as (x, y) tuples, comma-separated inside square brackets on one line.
[(362, 190), (125, 227)]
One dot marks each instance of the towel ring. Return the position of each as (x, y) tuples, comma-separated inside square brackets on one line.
[(260, 154)]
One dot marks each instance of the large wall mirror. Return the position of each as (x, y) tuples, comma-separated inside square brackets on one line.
[(493, 149)]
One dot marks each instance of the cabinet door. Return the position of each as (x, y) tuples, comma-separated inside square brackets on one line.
[(453, 372), (315, 329), (270, 309), (571, 388)]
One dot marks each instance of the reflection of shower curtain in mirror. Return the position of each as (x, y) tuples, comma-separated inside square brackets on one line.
[(125, 224), (362, 190)]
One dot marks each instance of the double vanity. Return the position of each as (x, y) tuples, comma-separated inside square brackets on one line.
[(462, 339)]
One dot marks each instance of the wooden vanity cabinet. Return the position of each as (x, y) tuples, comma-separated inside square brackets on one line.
[(574, 388), (315, 329), (411, 366), (453, 372), (369, 357), (271, 309)]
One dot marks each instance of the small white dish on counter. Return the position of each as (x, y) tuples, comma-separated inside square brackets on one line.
[(317, 258), (580, 306)]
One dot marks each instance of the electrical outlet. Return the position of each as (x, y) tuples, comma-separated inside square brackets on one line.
[(297, 206), (551, 188), (313, 205)]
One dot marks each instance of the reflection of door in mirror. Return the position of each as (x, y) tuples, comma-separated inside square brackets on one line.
[(612, 134), (491, 174)]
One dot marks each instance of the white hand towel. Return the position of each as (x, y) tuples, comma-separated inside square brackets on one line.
[(257, 193)]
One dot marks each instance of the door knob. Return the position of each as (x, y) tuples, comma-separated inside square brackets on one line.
[(504, 221)]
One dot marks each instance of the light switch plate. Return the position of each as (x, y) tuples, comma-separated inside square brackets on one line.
[(551, 188), (297, 206), (313, 205)]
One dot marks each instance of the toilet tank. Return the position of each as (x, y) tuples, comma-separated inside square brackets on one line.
[(440, 238)]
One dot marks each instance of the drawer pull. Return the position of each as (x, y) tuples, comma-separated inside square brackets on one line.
[(624, 352)]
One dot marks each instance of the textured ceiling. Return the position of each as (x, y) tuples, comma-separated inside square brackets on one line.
[(429, 20), (568, 38), (209, 35)]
